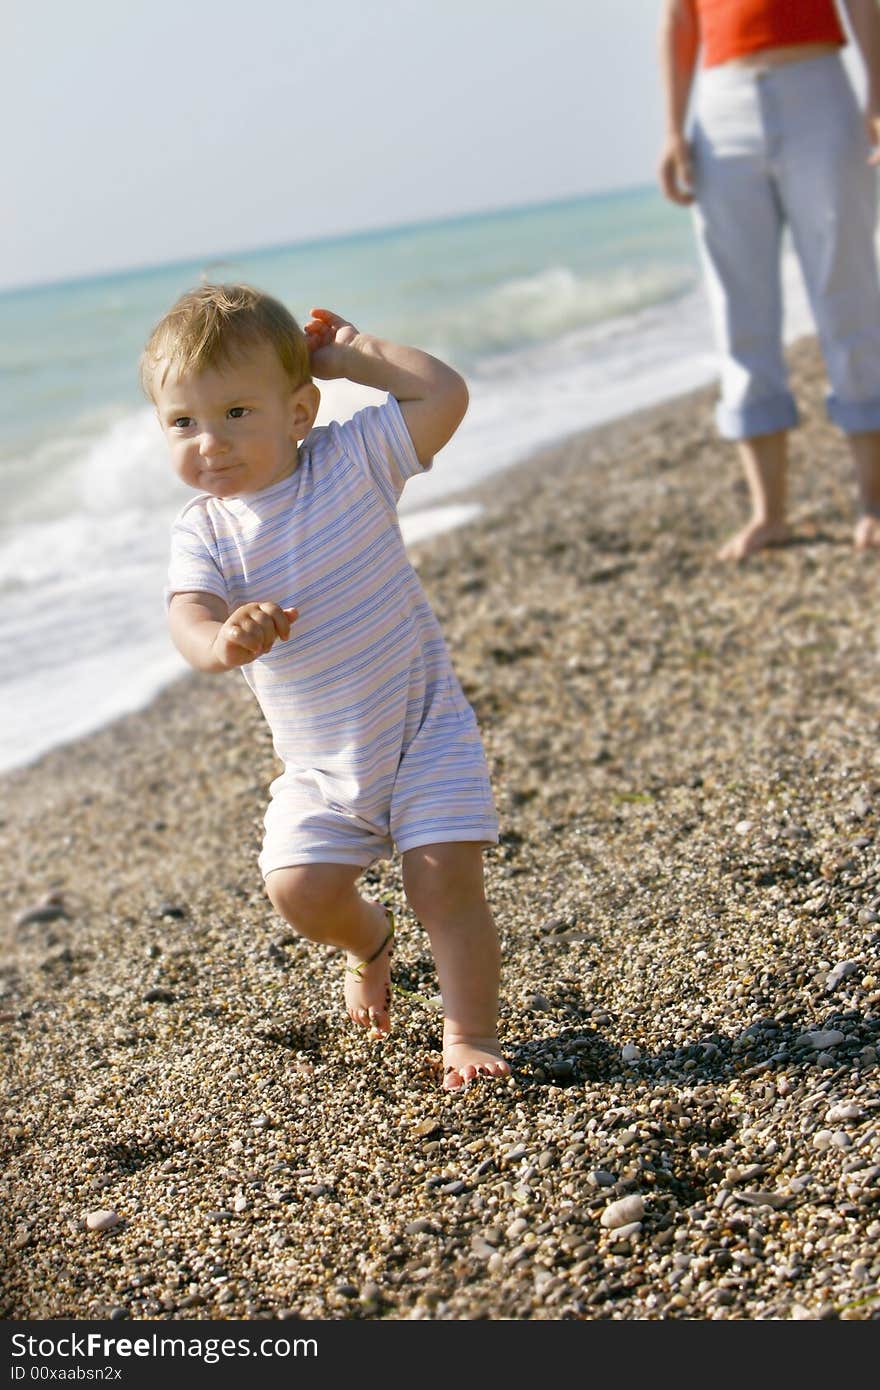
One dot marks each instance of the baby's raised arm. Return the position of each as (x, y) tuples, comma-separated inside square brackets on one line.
[(211, 638), (433, 397)]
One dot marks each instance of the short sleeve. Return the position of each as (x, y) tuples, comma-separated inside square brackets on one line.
[(378, 436), (194, 566)]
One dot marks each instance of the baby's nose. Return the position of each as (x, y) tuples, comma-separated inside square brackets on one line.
[(212, 444)]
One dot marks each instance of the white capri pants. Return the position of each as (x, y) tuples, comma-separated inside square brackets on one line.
[(781, 146)]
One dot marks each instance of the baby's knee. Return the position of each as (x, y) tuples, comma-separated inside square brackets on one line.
[(308, 896), (444, 881)]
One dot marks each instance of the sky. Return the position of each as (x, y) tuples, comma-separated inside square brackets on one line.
[(141, 133)]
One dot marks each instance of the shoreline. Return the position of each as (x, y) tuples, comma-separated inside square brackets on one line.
[(687, 889)]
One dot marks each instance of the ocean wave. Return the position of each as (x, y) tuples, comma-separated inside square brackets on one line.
[(533, 309)]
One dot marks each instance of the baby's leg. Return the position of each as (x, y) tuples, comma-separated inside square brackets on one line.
[(320, 901), (444, 886)]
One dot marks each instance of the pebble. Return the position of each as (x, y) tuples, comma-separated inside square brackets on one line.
[(102, 1220), (821, 1038), (840, 972), (49, 909), (622, 1212), (630, 1228), (845, 1111), (601, 1177), (421, 1226)]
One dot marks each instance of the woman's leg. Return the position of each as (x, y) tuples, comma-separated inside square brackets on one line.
[(865, 451), (765, 465), (829, 194), (739, 225)]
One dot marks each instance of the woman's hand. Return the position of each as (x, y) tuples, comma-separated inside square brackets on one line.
[(676, 171)]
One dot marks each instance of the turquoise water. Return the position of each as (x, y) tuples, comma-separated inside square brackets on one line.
[(559, 316)]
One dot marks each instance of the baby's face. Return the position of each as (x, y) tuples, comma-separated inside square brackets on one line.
[(235, 428)]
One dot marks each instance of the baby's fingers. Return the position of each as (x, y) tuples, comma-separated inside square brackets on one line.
[(245, 634), (330, 322), (280, 619), (328, 317)]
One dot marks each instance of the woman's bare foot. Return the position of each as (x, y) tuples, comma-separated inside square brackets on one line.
[(867, 533), (756, 536), (368, 982), (464, 1059)]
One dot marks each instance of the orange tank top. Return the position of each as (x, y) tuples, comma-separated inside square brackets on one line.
[(733, 28)]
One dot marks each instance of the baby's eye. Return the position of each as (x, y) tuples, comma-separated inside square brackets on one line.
[(238, 412), (182, 422)]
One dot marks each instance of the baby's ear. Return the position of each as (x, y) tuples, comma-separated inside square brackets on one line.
[(306, 400)]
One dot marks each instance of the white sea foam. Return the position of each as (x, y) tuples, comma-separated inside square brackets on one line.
[(550, 304)]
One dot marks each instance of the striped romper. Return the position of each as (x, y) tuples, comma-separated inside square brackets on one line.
[(379, 745)]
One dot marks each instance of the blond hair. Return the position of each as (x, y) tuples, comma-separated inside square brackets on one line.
[(212, 325)]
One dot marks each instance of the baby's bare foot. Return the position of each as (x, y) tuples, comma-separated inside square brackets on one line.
[(368, 983), (756, 536), (464, 1059), (867, 533)]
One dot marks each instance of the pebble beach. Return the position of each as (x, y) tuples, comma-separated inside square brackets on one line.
[(687, 890)]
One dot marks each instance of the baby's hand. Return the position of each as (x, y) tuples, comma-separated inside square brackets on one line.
[(250, 631), (327, 334)]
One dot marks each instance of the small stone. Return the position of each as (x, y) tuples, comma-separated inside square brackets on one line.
[(49, 909), (600, 1177), (632, 1228), (623, 1211), (840, 972), (537, 1003), (427, 1129), (821, 1038), (421, 1227), (240, 1204), (101, 1220), (630, 1052), (777, 1200), (848, 1110), (481, 1248)]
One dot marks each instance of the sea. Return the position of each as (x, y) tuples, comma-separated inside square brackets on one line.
[(560, 316)]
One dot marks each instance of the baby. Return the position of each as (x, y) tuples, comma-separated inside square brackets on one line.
[(290, 564)]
